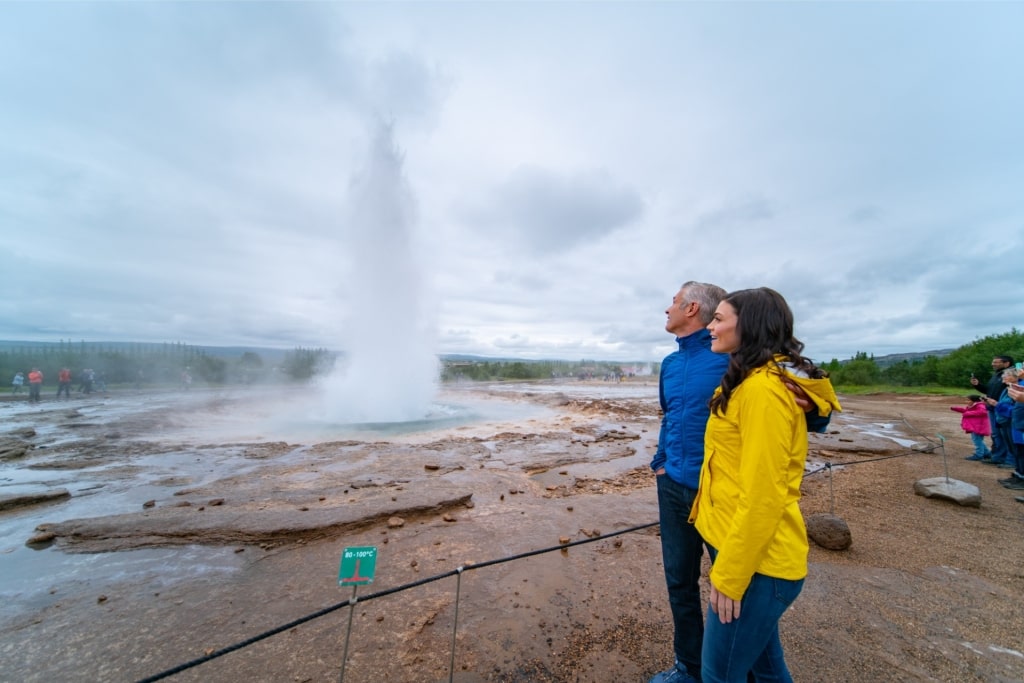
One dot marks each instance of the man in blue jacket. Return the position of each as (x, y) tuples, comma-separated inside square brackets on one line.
[(688, 379)]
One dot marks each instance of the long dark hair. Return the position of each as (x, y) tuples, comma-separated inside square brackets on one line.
[(764, 324)]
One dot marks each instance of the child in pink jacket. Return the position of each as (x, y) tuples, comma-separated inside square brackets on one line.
[(975, 422)]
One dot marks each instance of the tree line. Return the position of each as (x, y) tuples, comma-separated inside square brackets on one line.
[(143, 363), (168, 363), (951, 370)]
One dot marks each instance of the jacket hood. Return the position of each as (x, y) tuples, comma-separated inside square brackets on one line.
[(820, 391)]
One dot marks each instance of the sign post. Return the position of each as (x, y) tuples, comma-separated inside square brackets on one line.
[(357, 568)]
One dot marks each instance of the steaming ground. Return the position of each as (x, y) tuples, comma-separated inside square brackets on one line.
[(929, 591)]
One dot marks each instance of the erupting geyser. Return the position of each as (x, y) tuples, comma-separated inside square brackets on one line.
[(389, 368)]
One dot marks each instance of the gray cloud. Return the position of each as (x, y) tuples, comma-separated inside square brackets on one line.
[(546, 212)]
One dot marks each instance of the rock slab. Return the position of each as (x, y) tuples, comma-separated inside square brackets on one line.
[(959, 492)]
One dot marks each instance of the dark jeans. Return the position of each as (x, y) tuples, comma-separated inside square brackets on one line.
[(1002, 437), (1000, 448), (681, 551), (64, 387)]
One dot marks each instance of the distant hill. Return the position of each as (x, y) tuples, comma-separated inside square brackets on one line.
[(894, 358)]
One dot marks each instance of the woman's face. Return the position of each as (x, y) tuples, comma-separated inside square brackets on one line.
[(725, 337)]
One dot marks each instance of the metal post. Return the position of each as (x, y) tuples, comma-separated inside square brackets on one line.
[(831, 493), (455, 623), (351, 610), (945, 463)]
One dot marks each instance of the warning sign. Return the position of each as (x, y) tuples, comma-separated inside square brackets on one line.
[(357, 566)]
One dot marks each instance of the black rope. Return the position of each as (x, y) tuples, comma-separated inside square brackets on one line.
[(379, 594)]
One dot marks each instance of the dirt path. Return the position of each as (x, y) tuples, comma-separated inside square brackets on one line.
[(929, 591)]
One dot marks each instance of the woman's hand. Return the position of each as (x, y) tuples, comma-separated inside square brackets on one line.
[(725, 607)]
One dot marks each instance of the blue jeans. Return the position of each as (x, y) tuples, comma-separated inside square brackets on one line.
[(750, 643), (681, 551), (980, 448)]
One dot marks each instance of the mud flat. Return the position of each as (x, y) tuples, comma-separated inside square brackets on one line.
[(190, 527)]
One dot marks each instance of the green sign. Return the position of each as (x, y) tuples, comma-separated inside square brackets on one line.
[(357, 566)]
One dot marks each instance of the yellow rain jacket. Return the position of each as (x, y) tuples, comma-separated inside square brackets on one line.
[(747, 505)]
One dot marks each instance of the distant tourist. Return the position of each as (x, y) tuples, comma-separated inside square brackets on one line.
[(1003, 411), (35, 384), (994, 388), (1016, 393), (64, 383), (974, 421), (18, 382)]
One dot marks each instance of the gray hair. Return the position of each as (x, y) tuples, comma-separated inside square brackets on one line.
[(1010, 372), (706, 296)]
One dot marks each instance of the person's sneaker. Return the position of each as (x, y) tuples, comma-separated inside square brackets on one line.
[(1019, 499), (1015, 485), (1008, 480), (1005, 466), (677, 674), (974, 457)]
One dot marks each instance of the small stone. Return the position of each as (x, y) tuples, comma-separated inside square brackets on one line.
[(183, 504), (215, 502), (569, 508), (149, 504), (552, 487), (395, 522), (101, 599), (303, 509), (239, 550), (448, 517), (431, 466), (563, 540)]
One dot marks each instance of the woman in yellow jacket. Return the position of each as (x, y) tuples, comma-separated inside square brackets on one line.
[(747, 507)]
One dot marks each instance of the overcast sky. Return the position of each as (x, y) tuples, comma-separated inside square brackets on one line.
[(195, 172)]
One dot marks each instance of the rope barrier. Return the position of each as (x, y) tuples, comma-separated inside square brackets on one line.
[(379, 594)]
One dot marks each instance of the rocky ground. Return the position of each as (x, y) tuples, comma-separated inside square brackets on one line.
[(928, 591)]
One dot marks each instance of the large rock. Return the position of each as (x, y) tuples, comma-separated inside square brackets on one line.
[(254, 522), (949, 489), (829, 531)]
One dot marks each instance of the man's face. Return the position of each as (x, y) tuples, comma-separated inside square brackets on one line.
[(677, 314), (999, 364)]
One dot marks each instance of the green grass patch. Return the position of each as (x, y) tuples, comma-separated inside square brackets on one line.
[(867, 390)]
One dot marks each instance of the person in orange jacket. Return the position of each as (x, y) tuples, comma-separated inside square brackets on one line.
[(64, 383), (35, 383)]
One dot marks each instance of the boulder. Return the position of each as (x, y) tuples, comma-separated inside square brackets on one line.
[(959, 492), (829, 531)]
